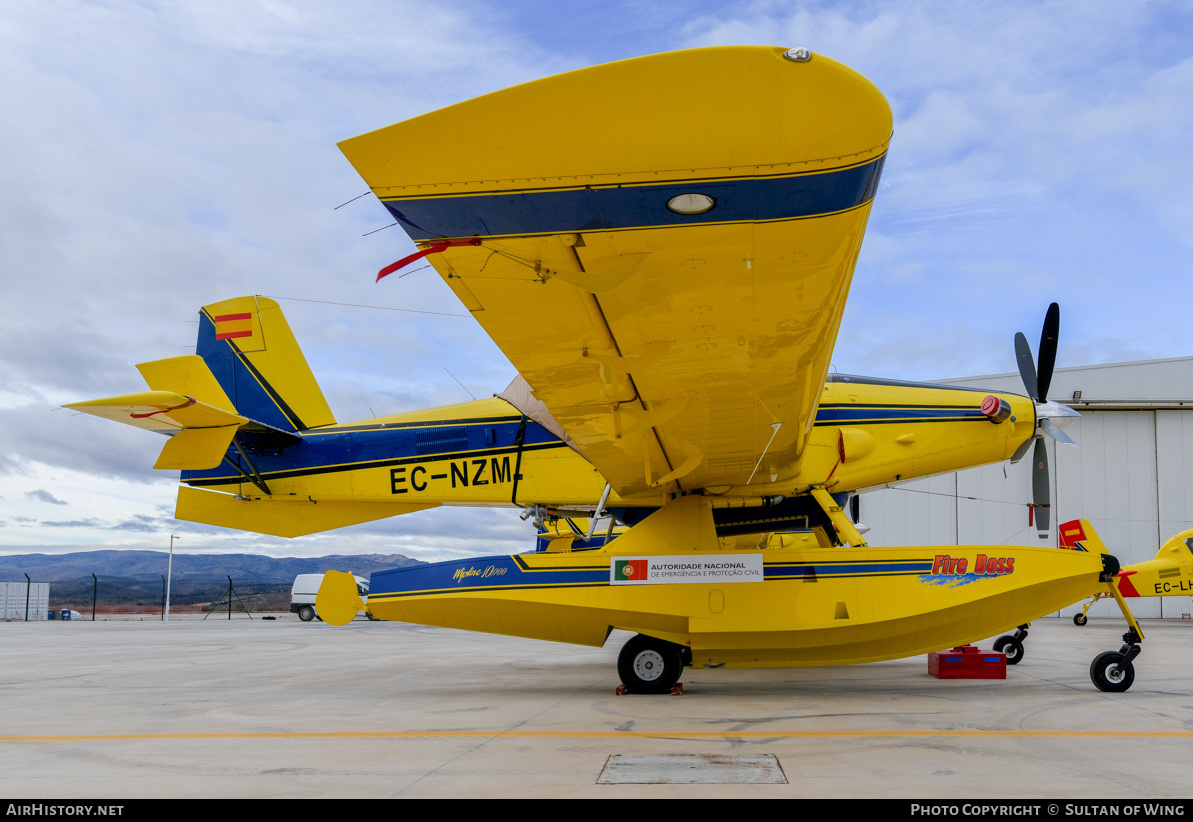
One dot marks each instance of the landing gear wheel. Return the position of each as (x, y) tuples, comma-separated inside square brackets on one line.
[(649, 666), (306, 613), (1079, 619), (1010, 646), (1110, 673)]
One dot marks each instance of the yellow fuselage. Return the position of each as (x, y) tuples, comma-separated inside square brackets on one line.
[(866, 433), (1170, 573)]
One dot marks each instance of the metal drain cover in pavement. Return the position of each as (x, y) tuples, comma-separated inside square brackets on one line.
[(716, 769)]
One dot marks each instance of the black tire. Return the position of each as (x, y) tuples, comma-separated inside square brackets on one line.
[(685, 656), (306, 613), (1109, 673), (1010, 646), (649, 666), (1079, 619)]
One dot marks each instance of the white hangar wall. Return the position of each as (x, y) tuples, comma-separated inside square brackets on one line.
[(1131, 475)]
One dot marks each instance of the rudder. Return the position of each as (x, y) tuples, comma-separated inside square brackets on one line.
[(252, 353), (1079, 535)]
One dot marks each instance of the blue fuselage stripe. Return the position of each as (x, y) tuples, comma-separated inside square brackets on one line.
[(877, 415), (331, 450), (749, 199), (513, 573)]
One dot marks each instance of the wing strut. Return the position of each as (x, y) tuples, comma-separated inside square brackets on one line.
[(255, 478), (845, 529), (762, 456), (597, 513)]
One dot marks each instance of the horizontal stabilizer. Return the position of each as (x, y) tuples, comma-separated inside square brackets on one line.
[(289, 517), (187, 375), (196, 449), (163, 411)]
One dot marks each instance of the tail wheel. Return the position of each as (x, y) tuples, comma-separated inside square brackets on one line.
[(306, 613), (649, 666), (1010, 646), (1110, 672), (1079, 619)]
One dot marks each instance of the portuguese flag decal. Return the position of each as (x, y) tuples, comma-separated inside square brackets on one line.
[(629, 569)]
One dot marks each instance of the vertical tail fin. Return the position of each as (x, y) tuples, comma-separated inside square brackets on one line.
[(1079, 535), (248, 345)]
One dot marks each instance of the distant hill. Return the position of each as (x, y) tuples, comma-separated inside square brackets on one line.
[(241, 567)]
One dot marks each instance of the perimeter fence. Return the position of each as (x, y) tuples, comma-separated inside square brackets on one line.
[(101, 596)]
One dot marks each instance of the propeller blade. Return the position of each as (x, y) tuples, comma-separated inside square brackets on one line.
[(1053, 430), (1020, 451), (1048, 338), (1027, 368), (1040, 492)]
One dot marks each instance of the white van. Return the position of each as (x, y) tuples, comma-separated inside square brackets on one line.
[(306, 587)]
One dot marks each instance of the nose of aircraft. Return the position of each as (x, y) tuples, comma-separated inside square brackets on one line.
[(1051, 417)]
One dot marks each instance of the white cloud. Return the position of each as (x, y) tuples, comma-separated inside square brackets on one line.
[(43, 495)]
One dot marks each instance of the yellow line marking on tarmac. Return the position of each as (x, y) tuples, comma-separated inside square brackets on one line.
[(663, 733)]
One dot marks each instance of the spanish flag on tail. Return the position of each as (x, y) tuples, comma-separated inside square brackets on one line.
[(233, 326)]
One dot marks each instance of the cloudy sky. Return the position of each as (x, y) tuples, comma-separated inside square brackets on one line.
[(160, 156)]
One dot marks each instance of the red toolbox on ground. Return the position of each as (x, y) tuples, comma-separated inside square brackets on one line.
[(967, 662)]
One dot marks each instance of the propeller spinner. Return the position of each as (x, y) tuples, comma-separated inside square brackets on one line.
[(1050, 416)]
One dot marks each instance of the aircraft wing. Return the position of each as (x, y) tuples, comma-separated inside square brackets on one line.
[(662, 247)]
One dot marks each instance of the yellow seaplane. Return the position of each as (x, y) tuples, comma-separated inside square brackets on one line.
[(662, 247), (1170, 573)]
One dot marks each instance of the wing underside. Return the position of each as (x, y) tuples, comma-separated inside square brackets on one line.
[(671, 280)]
